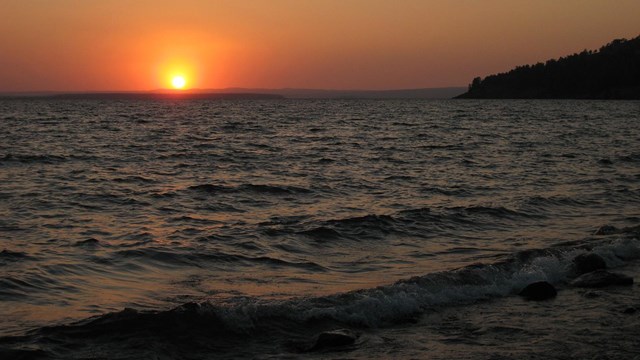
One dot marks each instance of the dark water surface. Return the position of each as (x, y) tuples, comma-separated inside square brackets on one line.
[(263, 209)]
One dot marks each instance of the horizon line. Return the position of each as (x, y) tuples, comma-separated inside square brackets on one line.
[(14, 92)]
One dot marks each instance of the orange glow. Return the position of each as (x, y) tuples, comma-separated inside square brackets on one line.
[(358, 44), (182, 59), (179, 74), (178, 82)]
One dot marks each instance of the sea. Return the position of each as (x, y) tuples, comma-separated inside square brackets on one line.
[(206, 229)]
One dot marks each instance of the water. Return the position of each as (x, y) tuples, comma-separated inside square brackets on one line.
[(351, 213)]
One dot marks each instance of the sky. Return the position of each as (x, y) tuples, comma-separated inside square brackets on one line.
[(129, 45)]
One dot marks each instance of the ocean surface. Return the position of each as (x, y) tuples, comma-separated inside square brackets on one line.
[(195, 229)]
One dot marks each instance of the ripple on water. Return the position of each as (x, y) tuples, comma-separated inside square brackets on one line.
[(295, 198)]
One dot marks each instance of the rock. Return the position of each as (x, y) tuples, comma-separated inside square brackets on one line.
[(23, 354), (334, 338), (540, 290), (632, 230), (629, 311), (601, 278), (586, 263), (592, 294), (607, 230)]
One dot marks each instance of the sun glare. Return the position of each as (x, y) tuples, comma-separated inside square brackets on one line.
[(178, 82)]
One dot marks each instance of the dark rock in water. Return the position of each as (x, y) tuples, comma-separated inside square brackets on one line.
[(630, 310), (592, 294), (540, 290), (601, 278), (334, 338), (632, 230), (607, 230), (586, 263), (23, 354)]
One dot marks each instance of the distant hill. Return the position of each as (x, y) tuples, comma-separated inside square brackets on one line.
[(424, 93), (168, 96), (243, 93), (612, 72)]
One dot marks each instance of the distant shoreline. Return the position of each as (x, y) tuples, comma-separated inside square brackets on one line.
[(242, 93), (148, 96)]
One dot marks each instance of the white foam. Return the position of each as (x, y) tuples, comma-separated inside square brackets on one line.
[(375, 307)]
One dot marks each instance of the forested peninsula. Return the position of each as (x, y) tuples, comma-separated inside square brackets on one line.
[(612, 72)]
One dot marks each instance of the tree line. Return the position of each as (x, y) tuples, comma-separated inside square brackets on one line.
[(612, 72)]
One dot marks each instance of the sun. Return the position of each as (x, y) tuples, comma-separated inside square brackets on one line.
[(178, 82)]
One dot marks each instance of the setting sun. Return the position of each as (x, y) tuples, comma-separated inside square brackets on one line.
[(178, 82)]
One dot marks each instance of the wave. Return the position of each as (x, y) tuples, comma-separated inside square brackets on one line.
[(32, 158), (270, 189), (7, 257), (355, 228), (460, 191), (321, 232), (32, 285), (420, 222), (402, 301), (193, 220), (171, 258), (555, 201), (93, 200), (498, 212), (631, 158), (251, 188), (474, 213), (210, 188), (7, 226), (88, 243), (133, 179), (41, 158)]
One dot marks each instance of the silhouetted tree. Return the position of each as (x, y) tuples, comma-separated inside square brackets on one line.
[(475, 83)]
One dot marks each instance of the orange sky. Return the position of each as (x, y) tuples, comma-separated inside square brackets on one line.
[(73, 45)]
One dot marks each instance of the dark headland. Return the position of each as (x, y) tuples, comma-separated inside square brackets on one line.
[(612, 72)]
